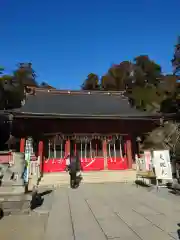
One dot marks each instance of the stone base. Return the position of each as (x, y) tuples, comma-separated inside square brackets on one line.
[(15, 204)]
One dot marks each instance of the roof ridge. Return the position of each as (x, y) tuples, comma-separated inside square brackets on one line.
[(79, 92)]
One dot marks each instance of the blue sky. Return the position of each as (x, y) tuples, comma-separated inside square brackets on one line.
[(66, 40)]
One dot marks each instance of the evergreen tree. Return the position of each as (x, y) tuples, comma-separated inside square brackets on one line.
[(176, 59)]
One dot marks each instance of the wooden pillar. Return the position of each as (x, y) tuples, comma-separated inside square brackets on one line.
[(104, 147), (128, 144), (40, 155), (22, 145), (67, 148)]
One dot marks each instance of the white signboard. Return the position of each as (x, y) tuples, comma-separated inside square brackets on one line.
[(162, 165)]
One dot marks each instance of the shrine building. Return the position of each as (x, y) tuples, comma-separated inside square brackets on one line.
[(101, 127)]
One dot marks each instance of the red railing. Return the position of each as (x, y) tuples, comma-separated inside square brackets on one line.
[(6, 157)]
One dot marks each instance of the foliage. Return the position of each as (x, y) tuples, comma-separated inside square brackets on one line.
[(91, 82), (25, 75), (120, 73), (139, 77), (108, 83), (163, 137), (176, 58), (149, 69), (142, 79), (12, 86), (145, 96), (12, 92), (1, 70)]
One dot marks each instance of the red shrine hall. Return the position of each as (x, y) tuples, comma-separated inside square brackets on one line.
[(101, 127)]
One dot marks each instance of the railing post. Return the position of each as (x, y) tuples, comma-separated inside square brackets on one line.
[(22, 145)]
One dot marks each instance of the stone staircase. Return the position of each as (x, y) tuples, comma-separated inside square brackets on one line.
[(14, 204), (58, 179), (12, 197)]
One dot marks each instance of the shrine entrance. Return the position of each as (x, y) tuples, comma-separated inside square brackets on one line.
[(96, 153), (90, 152)]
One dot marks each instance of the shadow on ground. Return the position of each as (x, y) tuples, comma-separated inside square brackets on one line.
[(1, 214), (142, 184), (178, 231), (174, 192), (37, 199)]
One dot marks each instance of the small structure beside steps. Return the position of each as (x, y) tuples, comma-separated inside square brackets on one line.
[(13, 199)]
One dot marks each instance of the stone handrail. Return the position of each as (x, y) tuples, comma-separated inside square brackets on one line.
[(34, 168)]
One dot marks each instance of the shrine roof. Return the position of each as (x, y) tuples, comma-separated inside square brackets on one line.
[(79, 104)]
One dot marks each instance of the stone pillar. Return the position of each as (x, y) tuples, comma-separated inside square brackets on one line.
[(128, 144), (22, 145), (104, 146)]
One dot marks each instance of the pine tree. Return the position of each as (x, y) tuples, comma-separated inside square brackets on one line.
[(176, 59)]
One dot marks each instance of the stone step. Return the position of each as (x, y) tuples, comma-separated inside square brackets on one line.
[(8, 212), (90, 177), (15, 204), (11, 190)]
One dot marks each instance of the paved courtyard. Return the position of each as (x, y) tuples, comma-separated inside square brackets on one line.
[(100, 212)]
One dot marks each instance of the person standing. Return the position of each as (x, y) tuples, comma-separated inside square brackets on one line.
[(75, 171)]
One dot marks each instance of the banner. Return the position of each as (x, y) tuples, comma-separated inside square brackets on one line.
[(148, 161), (28, 152), (144, 165), (144, 162), (162, 164), (140, 164)]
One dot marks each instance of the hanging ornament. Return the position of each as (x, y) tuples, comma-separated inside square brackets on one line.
[(86, 139), (110, 138), (61, 137)]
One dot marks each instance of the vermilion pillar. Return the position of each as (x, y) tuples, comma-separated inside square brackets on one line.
[(40, 155), (128, 144), (67, 148), (104, 147), (22, 145)]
